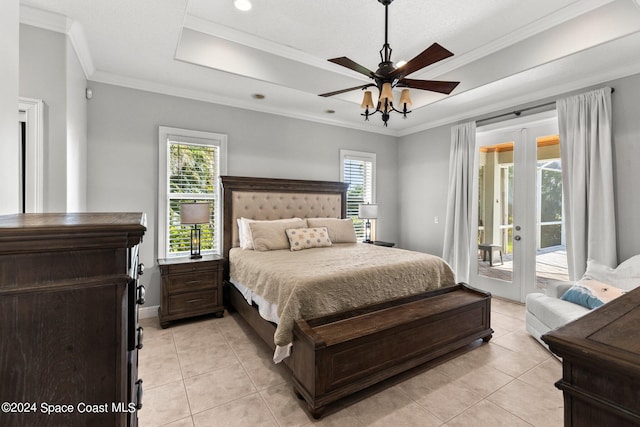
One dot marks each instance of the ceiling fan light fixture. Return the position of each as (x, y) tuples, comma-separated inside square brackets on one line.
[(386, 92), (405, 98), (243, 5), (367, 100), (388, 76)]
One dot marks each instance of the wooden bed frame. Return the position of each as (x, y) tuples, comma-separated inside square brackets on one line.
[(341, 354)]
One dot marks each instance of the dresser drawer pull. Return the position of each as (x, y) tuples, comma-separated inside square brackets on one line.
[(191, 301), (140, 336), (139, 394), (141, 294), (191, 282)]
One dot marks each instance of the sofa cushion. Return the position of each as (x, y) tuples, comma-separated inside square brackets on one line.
[(591, 293), (625, 276), (554, 312)]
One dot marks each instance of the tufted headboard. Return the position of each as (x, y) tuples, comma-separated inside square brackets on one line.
[(271, 198)]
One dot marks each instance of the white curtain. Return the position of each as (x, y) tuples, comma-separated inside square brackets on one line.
[(587, 178), (458, 233)]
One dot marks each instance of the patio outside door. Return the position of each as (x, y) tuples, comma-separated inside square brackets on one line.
[(518, 207)]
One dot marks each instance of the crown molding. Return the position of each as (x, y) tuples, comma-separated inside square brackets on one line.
[(43, 19), (81, 47), (513, 103), (568, 13), (235, 36), (61, 24), (198, 95)]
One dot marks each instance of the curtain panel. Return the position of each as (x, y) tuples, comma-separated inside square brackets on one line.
[(459, 236), (585, 133)]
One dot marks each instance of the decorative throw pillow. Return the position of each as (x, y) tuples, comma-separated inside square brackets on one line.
[(306, 238), (625, 276), (340, 230), (271, 235), (244, 231), (591, 293)]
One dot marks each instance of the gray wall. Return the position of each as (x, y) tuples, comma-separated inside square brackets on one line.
[(423, 164), (9, 69), (122, 159), (50, 70)]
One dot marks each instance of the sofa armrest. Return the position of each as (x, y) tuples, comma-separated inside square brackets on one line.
[(557, 288)]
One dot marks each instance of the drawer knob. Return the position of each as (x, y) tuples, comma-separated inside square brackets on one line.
[(140, 336), (139, 394), (140, 269), (141, 294)]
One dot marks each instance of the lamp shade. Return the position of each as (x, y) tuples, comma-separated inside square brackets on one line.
[(194, 213), (368, 211), (367, 100), (405, 98), (386, 92)]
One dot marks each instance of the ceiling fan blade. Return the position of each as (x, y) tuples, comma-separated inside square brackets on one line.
[(352, 65), (346, 90), (430, 55), (431, 85)]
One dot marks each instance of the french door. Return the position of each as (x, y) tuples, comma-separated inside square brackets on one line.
[(518, 207)]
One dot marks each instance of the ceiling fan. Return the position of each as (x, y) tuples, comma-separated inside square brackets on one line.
[(389, 75)]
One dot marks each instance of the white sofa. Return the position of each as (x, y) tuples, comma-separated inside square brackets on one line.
[(545, 312)]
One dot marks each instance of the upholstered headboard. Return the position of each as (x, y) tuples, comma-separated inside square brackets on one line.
[(270, 198)]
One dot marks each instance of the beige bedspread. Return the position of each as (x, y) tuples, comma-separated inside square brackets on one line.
[(314, 282)]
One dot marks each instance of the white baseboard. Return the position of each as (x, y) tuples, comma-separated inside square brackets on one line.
[(146, 312)]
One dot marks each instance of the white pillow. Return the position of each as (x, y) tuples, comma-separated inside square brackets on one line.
[(244, 231), (271, 235), (340, 230), (625, 276)]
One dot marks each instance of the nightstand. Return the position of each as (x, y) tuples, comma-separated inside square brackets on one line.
[(190, 287)]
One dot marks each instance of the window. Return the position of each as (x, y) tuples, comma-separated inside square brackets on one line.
[(359, 170), (191, 163)]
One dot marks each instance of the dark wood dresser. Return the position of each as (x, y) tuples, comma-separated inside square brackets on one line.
[(601, 364), (69, 334)]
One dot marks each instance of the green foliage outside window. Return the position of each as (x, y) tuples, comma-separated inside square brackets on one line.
[(193, 177)]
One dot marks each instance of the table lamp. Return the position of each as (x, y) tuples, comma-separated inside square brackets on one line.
[(367, 211), (195, 214)]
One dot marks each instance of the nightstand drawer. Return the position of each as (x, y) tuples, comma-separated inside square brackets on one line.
[(200, 280), (192, 302), (172, 269)]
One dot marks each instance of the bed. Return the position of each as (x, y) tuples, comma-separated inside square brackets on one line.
[(335, 353)]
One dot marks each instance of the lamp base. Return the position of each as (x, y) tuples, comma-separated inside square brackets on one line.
[(195, 243)]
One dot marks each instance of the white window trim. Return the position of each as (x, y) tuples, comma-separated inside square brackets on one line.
[(31, 112), (187, 135), (362, 156)]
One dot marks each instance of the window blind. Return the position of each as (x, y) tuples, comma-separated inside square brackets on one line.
[(359, 174), (193, 171)]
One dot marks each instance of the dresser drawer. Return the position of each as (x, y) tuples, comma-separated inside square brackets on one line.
[(193, 302), (203, 266), (200, 280)]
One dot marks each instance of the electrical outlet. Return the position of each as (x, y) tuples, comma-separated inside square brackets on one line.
[(436, 220)]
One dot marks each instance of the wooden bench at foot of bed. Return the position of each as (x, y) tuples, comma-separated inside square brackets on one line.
[(337, 355)]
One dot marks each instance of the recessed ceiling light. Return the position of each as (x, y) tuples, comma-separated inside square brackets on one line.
[(258, 96), (243, 5)]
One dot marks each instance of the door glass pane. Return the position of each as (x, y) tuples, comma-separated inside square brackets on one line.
[(495, 211), (551, 254)]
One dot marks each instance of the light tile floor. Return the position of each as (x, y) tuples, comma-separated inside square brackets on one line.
[(217, 372)]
